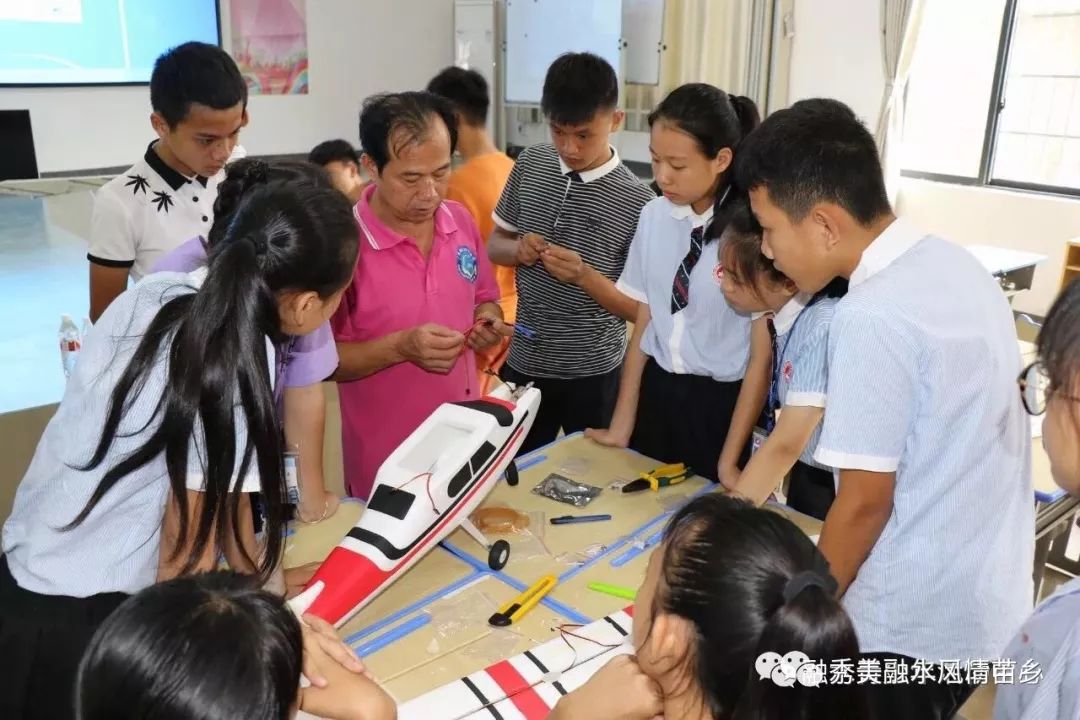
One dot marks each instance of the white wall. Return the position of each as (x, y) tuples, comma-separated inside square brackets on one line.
[(836, 53), (1004, 218), (355, 47)]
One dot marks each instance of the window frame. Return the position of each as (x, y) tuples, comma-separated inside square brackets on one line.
[(990, 136)]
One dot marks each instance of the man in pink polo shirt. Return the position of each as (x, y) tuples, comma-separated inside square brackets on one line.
[(424, 295)]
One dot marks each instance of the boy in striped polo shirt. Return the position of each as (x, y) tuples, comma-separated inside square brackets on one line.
[(565, 221)]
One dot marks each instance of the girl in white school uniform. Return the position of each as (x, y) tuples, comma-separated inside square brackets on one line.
[(691, 387), (799, 327), (167, 421), (1050, 639)]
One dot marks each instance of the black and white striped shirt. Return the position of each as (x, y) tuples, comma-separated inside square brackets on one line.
[(595, 214)]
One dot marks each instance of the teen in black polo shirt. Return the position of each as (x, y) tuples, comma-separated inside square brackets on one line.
[(565, 220)]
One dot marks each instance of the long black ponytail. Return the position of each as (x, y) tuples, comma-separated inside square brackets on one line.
[(716, 120), (281, 237), (739, 574)]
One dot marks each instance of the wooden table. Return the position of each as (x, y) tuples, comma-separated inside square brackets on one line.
[(441, 605)]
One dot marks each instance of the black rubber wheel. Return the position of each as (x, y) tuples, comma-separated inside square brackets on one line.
[(512, 474), (499, 555)]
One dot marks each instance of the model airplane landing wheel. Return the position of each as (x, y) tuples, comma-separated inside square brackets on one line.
[(499, 555), (512, 474)]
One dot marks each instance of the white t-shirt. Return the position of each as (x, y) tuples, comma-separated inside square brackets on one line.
[(149, 210), (116, 548)]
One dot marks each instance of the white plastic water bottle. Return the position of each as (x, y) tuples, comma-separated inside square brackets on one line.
[(70, 344)]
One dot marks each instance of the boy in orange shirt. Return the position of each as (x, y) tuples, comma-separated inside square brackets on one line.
[(477, 184)]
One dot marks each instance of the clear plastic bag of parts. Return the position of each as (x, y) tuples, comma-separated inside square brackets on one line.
[(577, 558), (575, 466), (497, 645), (523, 530), (458, 616)]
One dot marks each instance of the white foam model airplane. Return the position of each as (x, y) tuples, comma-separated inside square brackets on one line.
[(425, 490)]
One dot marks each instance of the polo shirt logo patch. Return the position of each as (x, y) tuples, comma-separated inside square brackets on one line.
[(789, 371), (466, 263), (137, 183), (163, 201)]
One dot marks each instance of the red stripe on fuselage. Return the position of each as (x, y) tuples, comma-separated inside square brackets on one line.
[(346, 584)]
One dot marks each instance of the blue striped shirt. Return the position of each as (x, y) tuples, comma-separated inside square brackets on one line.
[(1050, 640), (116, 548), (922, 382), (707, 337), (802, 368)]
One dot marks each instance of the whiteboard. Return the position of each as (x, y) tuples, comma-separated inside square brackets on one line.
[(538, 31), (643, 26), (474, 42)]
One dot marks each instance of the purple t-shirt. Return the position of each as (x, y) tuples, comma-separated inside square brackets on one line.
[(312, 358)]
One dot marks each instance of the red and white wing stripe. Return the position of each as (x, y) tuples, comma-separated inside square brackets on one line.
[(518, 688)]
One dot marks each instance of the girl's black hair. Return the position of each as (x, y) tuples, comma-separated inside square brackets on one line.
[(211, 646), (740, 252), (1059, 341), (716, 120), (725, 568), (246, 174), (282, 237)]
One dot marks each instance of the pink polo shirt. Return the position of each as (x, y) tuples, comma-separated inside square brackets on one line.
[(396, 289)]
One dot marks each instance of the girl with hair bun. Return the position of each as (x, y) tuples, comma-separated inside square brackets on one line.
[(732, 599), (307, 360)]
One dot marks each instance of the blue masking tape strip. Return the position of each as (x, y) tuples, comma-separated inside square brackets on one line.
[(390, 637), (634, 551), (536, 451), (623, 541), (565, 610), (410, 609), (613, 548), (526, 464)]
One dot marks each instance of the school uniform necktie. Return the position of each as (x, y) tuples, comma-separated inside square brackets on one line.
[(680, 288), (773, 403)]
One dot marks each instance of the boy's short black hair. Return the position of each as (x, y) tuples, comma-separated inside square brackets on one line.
[(195, 73), (383, 115), (815, 151), (467, 91), (330, 151), (577, 86)]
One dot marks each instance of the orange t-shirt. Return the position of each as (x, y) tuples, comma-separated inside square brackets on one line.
[(477, 185)]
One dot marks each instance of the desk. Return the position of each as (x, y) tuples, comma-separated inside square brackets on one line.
[(453, 582), (580, 459), (1015, 270)]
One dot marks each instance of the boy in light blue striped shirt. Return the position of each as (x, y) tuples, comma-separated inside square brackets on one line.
[(931, 535)]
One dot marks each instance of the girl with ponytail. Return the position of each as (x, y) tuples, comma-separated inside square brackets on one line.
[(729, 584), (691, 387), (167, 424), (307, 360)]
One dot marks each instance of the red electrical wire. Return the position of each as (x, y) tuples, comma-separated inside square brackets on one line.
[(427, 487)]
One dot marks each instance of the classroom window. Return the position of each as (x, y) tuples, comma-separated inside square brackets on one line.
[(993, 97)]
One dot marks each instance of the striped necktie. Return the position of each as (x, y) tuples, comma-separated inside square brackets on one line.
[(680, 288)]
